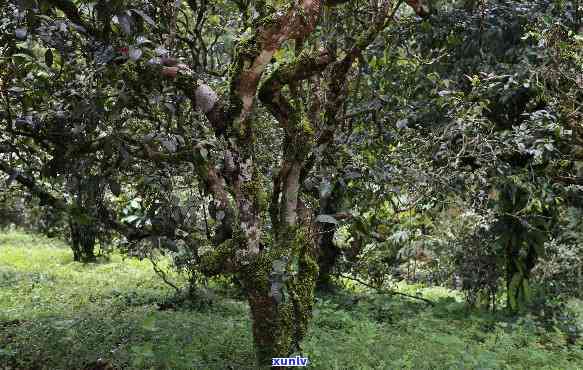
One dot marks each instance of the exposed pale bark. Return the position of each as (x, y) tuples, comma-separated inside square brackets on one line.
[(420, 7)]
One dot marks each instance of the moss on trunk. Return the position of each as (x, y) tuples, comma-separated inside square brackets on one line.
[(518, 271), (280, 289)]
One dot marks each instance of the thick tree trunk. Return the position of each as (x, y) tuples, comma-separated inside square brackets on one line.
[(278, 274), (272, 334), (280, 291), (75, 243)]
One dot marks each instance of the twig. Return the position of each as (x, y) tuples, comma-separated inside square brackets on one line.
[(391, 292), (162, 274)]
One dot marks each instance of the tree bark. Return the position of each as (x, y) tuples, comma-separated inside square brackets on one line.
[(277, 267), (328, 252), (281, 306)]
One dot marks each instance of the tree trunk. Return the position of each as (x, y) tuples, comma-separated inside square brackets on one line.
[(88, 238), (518, 271), (280, 292), (75, 242), (83, 239), (328, 252), (327, 257)]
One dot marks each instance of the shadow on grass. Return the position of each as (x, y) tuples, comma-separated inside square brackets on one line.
[(131, 335)]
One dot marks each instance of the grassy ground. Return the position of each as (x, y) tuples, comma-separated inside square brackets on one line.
[(59, 314)]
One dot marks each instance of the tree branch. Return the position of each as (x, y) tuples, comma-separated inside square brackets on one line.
[(203, 97), (384, 291), (253, 54), (45, 197), (61, 205), (337, 91), (304, 66)]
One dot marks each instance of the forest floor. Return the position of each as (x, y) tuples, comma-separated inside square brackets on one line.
[(60, 314)]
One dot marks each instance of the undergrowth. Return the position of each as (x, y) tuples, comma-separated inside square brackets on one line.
[(60, 314)]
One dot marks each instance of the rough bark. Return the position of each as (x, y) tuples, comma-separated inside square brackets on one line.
[(281, 315), (280, 324)]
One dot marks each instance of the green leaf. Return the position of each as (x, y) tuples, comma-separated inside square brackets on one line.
[(20, 33), (169, 145), (135, 53), (24, 57), (115, 188), (135, 204), (214, 19), (125, 23), (279, 266), (203, 153)]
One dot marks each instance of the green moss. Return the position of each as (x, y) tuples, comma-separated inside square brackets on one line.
[(248, 188), (247, 49), (280, 326), (307, 56), (267, 21), (262, 199), (254, 190), (300, 137), (254, 276), (235, 102), (304, 285), (214, 262), (307, 128)]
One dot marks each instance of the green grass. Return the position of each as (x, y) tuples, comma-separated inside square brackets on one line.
[(60, 314)]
